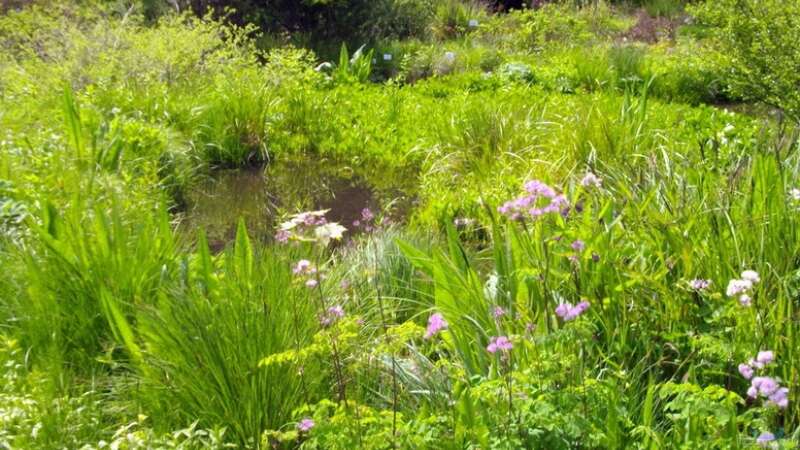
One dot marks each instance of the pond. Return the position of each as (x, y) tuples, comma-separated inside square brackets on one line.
[(262, 196)]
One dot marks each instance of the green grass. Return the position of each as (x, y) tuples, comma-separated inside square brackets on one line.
[(119, 325)]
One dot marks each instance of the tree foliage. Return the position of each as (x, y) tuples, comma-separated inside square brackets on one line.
[(758, 41)]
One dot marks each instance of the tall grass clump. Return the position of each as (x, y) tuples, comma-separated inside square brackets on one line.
[(204, 338), (88, 275)]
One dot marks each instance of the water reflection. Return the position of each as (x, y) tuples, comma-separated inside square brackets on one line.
[(260, 195)]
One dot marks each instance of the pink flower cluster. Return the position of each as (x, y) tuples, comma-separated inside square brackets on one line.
[(591, 180), (304, 269), (699, 284), (530, 205), (436, 323), (332, 314), (764, 386), (498, 312), (568, 312), (300, 223), (764, 439), (742, 287), (366, 222), (309, 226), (305, 425), (499, 344)]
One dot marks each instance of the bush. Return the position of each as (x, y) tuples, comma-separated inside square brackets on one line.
[(758, 46)]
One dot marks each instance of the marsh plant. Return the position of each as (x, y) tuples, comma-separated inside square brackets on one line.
[(531, 228)]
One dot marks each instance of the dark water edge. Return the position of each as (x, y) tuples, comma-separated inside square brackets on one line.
[(262, 196)]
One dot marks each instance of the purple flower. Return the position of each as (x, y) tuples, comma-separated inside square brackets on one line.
[(536, 187), (765, 438), (765, 357), (527, 204), (305, 425), (752, 392), (332, 314), (578, 245), (367, 215), (745, 300), (563, 309), (499, 343), (699, 284), (356, 223), (311, 283), (766, 386), (282, 236), (302, 266), (568, 312), (336, 311), (436, 323), (755, 364), (309, 220), (780, 398), (746, 371), (751, 276), (591, 180), (498, 312), (736, 287)]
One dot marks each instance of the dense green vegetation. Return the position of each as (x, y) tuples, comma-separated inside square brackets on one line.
[(571, 225)]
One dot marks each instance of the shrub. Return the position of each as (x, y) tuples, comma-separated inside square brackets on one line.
[(758, 41)]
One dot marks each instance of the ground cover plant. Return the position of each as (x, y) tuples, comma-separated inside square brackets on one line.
[(443, 224)]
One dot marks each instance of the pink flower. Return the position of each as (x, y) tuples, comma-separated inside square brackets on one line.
[(752, 392), (765, 357), (498, 312), (780, 398), (499, 343), (302, 266), (699, 284), (568, 312), (336, 311), (282, 236), (367, 215), (765, 438), (332, 314), (536, 187), (751, 276), (578, 245), (746, 371), (311, 283), (563, 309), (591, 180), (766, 386), (527, 204), (745, 300), (436, 323), (305, 425), (736, 287)]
